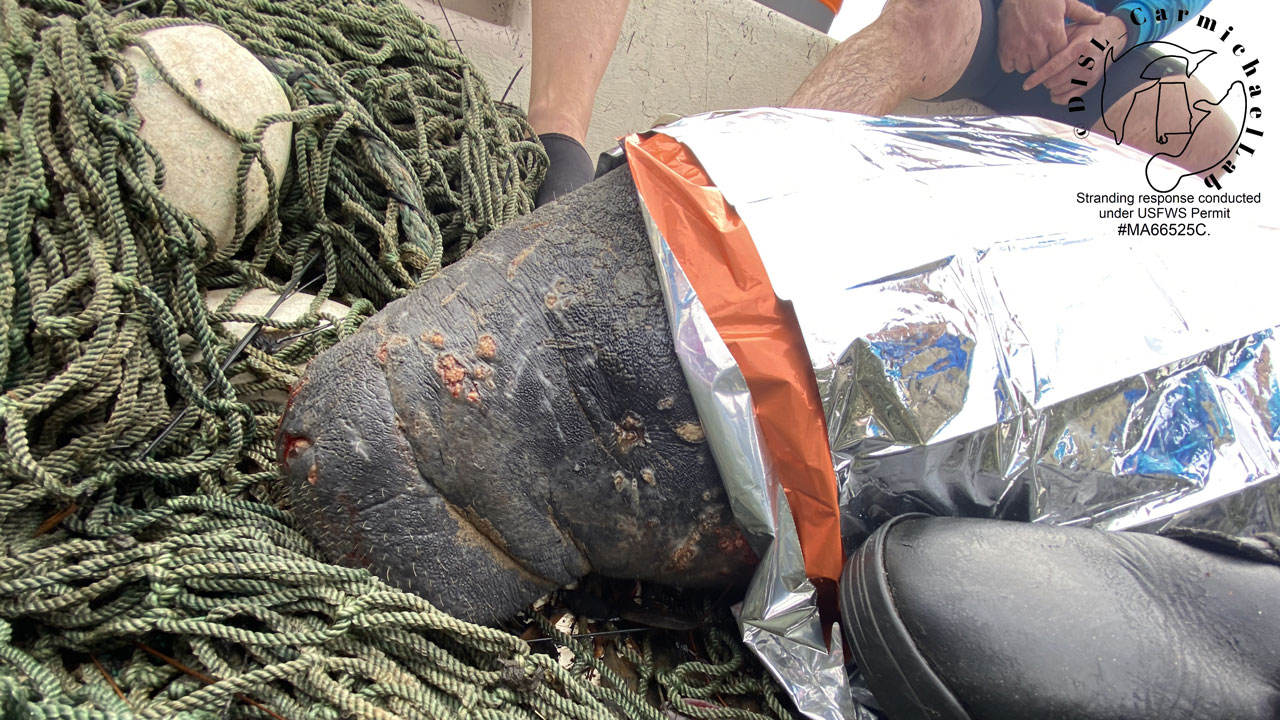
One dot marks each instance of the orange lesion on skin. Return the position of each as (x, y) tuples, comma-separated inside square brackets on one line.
[(458, 380), (524, 254), (294, 390), (709, 521), (293, 446), (629, 433), (685, 553), (383, 353), (691, 432), (732, 542), (452, 373)]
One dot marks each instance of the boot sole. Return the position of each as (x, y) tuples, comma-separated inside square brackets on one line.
[(899, 676)]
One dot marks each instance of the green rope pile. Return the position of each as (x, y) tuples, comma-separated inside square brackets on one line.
[(145, 571)]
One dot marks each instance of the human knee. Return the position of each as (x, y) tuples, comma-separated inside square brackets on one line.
[(930, 21), (1183, 121), (1214, 125), (1216, 135)]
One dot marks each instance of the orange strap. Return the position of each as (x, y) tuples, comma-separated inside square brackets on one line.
[(717, 254), (834, 5)]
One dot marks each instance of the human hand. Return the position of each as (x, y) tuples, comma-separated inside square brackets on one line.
[(1032, 31), (1060, 73)]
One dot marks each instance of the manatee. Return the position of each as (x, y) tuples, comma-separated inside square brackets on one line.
[(517, 422)]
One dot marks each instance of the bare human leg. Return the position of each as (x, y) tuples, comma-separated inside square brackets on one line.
[(572, 44), (1152, 118), (915, 49)]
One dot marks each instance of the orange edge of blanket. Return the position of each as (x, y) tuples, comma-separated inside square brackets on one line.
[(716, 252)]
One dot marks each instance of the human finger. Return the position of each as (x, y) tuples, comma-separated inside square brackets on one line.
[(1061, 89), (1061, 98), (1040, 56), (1006, 57), (1052, 68), (1064, 91)]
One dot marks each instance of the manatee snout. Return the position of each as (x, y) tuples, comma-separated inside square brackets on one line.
[(517, 422)]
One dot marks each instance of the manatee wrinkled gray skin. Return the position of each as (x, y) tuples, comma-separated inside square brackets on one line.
[(515, 423)]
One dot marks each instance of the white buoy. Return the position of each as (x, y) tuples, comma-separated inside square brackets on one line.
[(260, 300), (200, 160)]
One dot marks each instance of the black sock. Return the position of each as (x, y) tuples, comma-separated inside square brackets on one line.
[(570, 167)]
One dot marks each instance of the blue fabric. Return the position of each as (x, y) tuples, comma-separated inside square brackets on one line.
[(1140, 16)]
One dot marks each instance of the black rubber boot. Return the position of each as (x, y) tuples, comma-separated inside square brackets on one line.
[(569, 167), (954, 619)]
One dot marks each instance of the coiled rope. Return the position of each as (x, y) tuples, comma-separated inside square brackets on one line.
[(145, 572)]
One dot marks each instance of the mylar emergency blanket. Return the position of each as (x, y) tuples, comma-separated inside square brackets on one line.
[(887, 315)]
